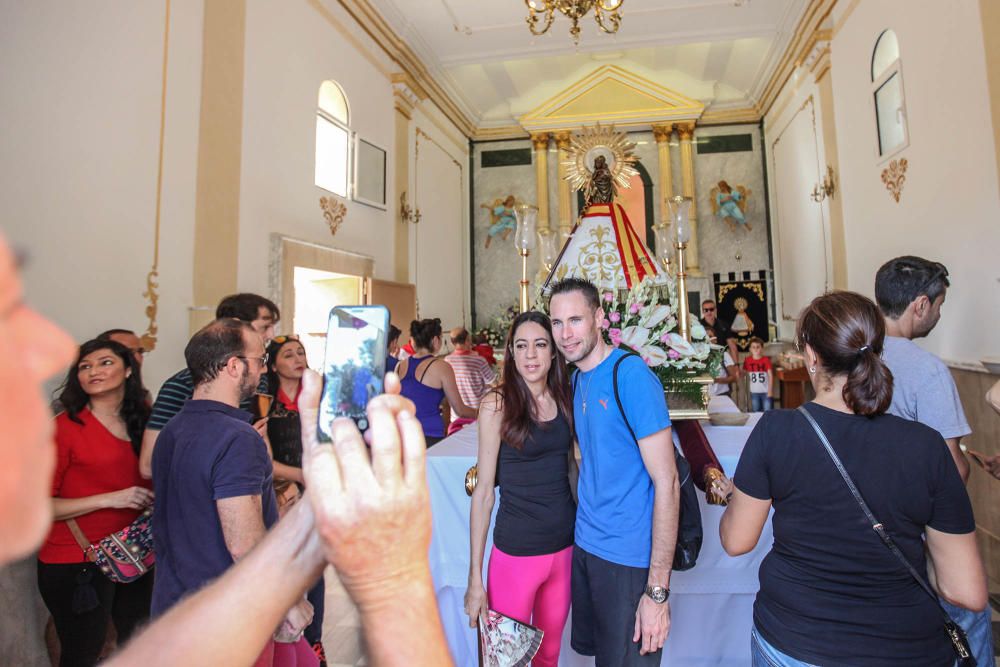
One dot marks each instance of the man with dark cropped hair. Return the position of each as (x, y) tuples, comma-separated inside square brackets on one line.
[(261, 314), (910, 291)]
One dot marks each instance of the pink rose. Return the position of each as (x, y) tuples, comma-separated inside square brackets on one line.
[(673, 354), (609, 297), (605, 324), (665, 338), (615, 334), (615, 316), (634, 308)]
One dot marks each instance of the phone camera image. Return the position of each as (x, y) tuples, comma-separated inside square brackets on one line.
[(354, 367)]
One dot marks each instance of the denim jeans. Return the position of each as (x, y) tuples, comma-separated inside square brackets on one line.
[(978, 627), (765, 655), (760, 402)]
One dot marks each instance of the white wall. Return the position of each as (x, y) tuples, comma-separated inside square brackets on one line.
[(291, 48), (78, 161), (949, 206)]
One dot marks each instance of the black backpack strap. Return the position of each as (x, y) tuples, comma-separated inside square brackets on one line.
[(618, 398)]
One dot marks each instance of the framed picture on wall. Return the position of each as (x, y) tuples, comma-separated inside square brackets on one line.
[(369, 173)]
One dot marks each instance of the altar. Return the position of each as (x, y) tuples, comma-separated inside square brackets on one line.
[(711, 605)]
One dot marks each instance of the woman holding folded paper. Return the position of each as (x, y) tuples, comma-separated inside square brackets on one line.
[(832, 591), (526, 447), (98, 489)]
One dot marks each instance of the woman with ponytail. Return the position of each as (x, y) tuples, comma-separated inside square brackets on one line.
[(830, 590), (428, 383)]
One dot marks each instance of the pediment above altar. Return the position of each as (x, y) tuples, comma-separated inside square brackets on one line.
[(611, 94)]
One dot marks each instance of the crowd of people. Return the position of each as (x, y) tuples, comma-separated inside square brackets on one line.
[(248, 507)]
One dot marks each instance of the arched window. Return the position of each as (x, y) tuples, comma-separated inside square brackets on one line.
[(333, 139), (887, 89)]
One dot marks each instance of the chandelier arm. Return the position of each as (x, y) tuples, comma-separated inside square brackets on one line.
[(613, 18), (609, 5), (532, 19)]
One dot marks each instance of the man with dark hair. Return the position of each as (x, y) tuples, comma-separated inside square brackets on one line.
[(261, 314), (626, 522), (211, 470), (723, 331), (910, 292)]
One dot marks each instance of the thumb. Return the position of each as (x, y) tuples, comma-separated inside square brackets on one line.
[(638, 627), (308, 404)]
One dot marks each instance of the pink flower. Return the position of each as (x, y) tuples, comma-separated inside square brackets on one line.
[(673, 354), (615, 335), (609, 297), (605, 324), (634, 308), (615, 316), (664, 338)]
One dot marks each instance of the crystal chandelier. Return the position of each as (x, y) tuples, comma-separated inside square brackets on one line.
[(606, 13)]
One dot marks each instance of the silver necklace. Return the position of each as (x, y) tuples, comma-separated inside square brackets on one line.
[(586, 390)]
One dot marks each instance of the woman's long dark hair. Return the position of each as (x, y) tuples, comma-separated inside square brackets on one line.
[(847, 331), (519, 412), (134, 410), (273, 349)]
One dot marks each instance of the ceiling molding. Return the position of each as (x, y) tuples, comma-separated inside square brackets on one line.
[(371, 21), (730, 116), (611, 94), (500, 133), (805, 36)]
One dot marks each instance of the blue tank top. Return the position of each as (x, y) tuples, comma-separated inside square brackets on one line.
[(537, 513), (427, 399)]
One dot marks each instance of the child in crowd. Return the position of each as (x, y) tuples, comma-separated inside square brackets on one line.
[(761, 376)]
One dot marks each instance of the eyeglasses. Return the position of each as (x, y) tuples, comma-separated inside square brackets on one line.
[(707, 309), (260, 360), (284, 338)]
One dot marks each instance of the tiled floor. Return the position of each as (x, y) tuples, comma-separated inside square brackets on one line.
[(342, 632)]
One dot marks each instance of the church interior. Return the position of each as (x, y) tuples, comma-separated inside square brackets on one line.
[(161, 155)]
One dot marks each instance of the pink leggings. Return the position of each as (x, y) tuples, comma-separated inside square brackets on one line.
[(535, 590)]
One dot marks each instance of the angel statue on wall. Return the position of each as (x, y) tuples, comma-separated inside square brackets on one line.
[(502, 219), (731, 205)]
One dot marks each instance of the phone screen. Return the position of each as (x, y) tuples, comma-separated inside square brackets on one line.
[(354, 365)]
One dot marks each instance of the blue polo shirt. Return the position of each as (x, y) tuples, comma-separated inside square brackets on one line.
[(614, 517), (208, 452)]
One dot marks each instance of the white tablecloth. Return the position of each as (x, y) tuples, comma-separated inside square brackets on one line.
[(711, 605)]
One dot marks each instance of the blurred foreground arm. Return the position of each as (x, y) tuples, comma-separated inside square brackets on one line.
[(373, 515)]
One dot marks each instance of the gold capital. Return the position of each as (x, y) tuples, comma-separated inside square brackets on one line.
[(540, 140), (562, 140), (685, 130), (662, 132)]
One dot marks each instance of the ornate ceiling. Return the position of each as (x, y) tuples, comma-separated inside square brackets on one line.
[(482, 55)]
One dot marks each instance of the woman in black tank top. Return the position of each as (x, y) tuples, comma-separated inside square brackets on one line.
[(526, 446)]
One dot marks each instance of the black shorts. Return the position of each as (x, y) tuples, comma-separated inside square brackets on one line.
[(605, 598)]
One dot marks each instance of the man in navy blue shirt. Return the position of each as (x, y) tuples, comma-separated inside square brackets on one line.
[(211, 469)]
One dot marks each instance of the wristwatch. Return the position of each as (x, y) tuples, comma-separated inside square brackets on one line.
[(658, 594)]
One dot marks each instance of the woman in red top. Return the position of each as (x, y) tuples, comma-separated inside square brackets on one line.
[(97, 483)]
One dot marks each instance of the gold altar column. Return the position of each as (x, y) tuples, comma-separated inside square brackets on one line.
[(565, 203), (686, 133), (540, 140), (662, 135)]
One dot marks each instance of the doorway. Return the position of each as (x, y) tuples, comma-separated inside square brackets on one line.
[(316, 292)]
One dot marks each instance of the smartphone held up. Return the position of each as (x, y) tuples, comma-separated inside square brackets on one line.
[(354, 364)]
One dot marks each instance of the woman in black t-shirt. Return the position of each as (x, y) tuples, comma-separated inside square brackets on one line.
[(831, 593), (526, 445)]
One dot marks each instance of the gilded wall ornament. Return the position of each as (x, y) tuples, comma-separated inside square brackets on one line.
[(894, 176), (334, 211)]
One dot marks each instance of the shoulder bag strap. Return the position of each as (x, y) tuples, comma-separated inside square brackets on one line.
[(78, 535), (875, 523), (618, 398)]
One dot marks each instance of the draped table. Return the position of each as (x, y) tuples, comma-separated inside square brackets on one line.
[(711, 605)]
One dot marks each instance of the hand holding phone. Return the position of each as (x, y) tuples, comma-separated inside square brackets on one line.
[(354, 364)]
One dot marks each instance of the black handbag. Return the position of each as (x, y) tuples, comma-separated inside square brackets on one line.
[(689, 531), (956, 635)]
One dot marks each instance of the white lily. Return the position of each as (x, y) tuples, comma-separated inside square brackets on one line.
[(652, 315), (679, 343)]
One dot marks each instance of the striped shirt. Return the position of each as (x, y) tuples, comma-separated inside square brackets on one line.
[(178, 390), (473, 376)]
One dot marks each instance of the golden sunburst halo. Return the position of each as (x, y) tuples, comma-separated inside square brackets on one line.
[(597, 140)]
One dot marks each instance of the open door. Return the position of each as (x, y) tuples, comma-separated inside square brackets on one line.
[(399, 298)]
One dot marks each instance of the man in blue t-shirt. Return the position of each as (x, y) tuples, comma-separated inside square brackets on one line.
[(626, 521), (211, 469)]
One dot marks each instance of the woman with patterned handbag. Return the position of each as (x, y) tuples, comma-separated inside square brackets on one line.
[(840, 586), (98, 487)]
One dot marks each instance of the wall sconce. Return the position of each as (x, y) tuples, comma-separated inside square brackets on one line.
[(826, 188), (406, 214)]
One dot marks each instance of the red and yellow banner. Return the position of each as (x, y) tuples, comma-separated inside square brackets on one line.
[(635, 259)]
